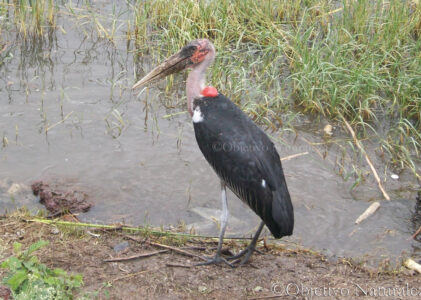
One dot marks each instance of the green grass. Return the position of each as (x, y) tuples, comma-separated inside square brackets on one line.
[(31, 17), (29, 279), (276, 59), (359, 59)]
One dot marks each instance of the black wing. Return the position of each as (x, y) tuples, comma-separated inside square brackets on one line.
[(246, 160)]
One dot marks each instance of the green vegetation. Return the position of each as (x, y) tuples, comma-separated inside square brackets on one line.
[(29, 279), (31, 17), (360, 60), (357, 59)]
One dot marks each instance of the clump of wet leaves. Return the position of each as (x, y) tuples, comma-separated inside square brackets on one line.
[(27, 278)]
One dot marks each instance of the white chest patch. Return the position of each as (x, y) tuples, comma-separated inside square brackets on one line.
[(263, 183), (197, 115)]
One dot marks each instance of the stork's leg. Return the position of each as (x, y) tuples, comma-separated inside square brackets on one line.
[(247, 252), (224, 219)]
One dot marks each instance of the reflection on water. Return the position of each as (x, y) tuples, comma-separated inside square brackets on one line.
[(69, 117)]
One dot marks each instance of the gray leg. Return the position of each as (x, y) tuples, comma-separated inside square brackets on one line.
[(250, 249), (224, 219)]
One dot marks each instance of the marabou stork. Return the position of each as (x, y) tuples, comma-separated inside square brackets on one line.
[(241, 153)]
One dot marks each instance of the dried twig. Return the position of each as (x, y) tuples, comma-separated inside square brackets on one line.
[(177, 265), (178, 250), (194, 248), (359, 146), (134, 256), (416, 233), (130, 237), (93, 234), (293, 156), (368, 212)]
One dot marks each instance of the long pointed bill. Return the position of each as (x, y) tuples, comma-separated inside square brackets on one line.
[(171, 65)]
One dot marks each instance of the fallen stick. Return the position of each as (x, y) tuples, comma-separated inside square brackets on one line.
[(359, 146), (368, 212), (177, 265), (194, 248), (59, 122), (178, 250), (93, 234), (293, 156), (416, 233), (134, 256), (412, 265), (132, 238)]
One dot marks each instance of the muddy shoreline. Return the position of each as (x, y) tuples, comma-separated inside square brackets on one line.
[(279, 272)]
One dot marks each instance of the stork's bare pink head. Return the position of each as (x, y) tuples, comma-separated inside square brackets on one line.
[(191, 55)]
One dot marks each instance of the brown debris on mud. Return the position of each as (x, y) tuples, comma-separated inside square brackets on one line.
[(59, 202), (281, 273)]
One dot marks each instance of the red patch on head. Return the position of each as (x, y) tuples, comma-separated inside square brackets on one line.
[(198, 56), (209, 91)]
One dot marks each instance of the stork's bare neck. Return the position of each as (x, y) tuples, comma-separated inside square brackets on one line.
[(196, 81)]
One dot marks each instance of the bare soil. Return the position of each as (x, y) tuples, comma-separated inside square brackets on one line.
[(279, 272)]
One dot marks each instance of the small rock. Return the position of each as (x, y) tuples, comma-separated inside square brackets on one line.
[(121, 246), (394, 176), (202, 289)]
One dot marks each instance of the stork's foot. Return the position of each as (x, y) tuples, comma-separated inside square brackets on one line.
[(217, 259), (247, 252)]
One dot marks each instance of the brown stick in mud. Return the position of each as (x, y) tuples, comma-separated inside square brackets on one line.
[(416, 233), (178, 250), (134, 256), (177, 265)]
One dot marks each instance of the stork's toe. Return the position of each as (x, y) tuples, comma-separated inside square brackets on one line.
[(217, 259)]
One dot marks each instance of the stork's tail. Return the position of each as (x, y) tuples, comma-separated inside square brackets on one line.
[(282, 214)]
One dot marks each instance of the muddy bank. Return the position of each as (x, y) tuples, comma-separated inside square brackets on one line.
[(280, 271)]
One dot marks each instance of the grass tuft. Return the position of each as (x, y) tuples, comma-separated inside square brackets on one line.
[(359, 59), (31, 18)]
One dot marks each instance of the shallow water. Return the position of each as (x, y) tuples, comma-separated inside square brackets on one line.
[(138, 165)]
